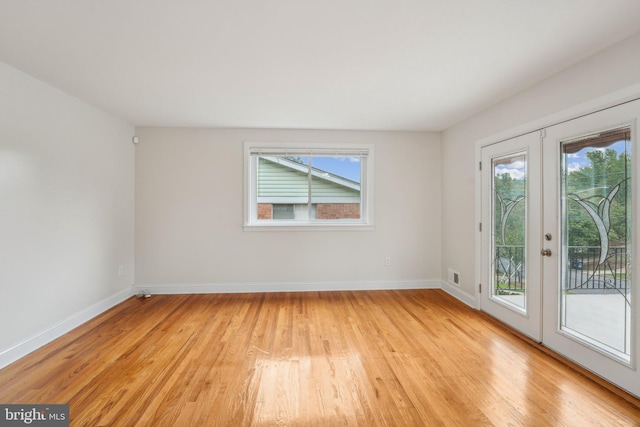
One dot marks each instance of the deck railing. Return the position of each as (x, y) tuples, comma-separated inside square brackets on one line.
[(584, 273), (510, 268)]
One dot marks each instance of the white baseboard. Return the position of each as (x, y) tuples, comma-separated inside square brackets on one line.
[(11, 354), (222, 288), (458, 293)]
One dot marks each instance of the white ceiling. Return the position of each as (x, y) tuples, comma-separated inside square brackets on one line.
[(312, 64)]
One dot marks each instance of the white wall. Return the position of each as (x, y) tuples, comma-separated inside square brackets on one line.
[(603, 74), (66, 210), (189, 216)]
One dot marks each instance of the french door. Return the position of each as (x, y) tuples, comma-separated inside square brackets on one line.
[(559, 239), (511, 190)]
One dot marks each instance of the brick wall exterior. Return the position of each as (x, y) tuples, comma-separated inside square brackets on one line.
[(265, 211), (324, 211), (338, 211)]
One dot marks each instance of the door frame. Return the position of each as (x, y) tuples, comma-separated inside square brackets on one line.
[(603, 103)]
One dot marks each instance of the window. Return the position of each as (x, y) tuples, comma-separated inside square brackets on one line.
[(308, 185)]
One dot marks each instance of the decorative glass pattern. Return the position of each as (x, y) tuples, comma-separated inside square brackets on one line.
[(596, 240), (509, 175)]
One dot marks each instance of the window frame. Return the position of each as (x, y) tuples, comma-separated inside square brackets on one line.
[(365, 151)]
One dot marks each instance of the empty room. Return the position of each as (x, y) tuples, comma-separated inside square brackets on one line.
[(310, 213)]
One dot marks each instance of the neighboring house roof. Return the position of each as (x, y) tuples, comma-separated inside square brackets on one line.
[(282, 180)]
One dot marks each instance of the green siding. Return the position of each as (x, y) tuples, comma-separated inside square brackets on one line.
[(275, 180), (323, 188)]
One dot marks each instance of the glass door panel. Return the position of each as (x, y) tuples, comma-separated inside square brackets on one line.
[(509, 214), (596, 211)]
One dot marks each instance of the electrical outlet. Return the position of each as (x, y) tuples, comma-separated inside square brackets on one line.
[(387, 260)]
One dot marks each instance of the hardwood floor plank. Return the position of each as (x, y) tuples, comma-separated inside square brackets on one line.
[(383, 358)]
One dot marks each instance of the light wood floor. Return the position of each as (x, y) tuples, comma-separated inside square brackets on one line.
[(397, 358)]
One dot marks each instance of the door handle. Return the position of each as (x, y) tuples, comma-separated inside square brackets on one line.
[(545, 252)]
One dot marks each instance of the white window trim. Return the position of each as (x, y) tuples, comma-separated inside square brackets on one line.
[(251, 223)]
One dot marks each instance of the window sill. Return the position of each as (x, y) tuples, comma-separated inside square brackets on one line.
[(309, 226)]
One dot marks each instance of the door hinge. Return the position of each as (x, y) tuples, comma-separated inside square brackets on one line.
[(479, 288), (480, 165), (480, 227)]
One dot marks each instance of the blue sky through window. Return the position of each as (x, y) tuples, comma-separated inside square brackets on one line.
[(345, 167), (579, 160), (575, 161)]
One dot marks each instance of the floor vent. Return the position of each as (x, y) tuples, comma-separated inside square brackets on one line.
[(454, 277)]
